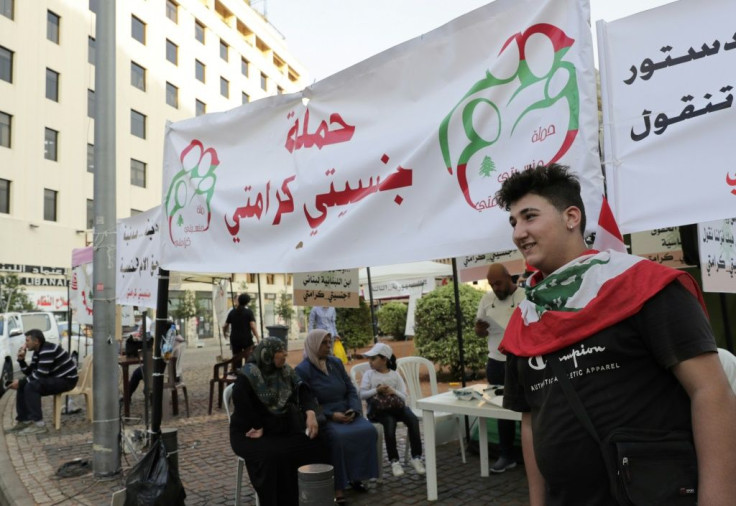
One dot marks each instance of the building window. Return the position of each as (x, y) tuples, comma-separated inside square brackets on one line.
[(94, 5), (264, 82), (279, 90), (172, 11), (137, 173), (91, 50), (52, 85), (137, 124), (244, 67), (172, 95), (5, 129), (6, 64), (138, 29), (252, 278), (199, 31), (7, 7), (270, 279), (90, 214), (137, 76), (49, 204), (200, 108), (53, 22), (224, 87), (91, 104), (91, 158), (245, 98), (51, 145), (4, 196), (199, 70), (172, 52), (224, 50)]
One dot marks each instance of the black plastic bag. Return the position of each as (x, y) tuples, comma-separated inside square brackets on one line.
[(153, 482)]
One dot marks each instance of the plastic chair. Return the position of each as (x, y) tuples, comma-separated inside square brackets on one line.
[(410, 368), (227, 395), (174, 369), (219, 378), (356, 374), (84, 387)]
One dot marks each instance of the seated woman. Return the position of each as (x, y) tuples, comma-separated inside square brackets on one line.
[(350, 437), (268, 428)]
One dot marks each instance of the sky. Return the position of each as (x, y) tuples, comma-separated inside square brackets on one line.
[(327, 36)]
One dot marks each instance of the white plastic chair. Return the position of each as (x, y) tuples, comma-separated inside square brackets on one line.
[(226, 396), (410, 368), (83, 387)]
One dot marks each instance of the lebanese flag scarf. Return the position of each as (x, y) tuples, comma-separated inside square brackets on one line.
[(583, 297)]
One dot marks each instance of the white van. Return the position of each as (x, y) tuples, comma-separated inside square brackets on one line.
[(13, 327)]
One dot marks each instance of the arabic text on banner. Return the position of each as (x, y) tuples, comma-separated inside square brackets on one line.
[(717, 255), (138, 253), (339, 288), (374, 174), (667, 80)]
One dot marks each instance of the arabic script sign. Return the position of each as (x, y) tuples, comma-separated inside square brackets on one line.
[(667, 97), (138, 252), (369, 174), (717, 255), (328, 288)]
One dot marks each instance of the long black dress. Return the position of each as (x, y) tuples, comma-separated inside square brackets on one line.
[(273, 459)]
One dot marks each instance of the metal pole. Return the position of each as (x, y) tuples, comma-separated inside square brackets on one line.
[(459, 322), (106, 425), (260, 305), (726, 324), (69, 335), (373, 314), (162, 313), (147, 363)]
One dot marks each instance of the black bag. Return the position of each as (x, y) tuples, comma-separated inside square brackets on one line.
[(652, 467), (153, 482), (381, 403), (645, 467)]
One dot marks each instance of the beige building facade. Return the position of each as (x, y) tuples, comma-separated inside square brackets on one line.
[(175, 59)]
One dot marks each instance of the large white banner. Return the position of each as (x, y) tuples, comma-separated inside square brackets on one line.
[(396, 159), (138, 254), (667, 78)]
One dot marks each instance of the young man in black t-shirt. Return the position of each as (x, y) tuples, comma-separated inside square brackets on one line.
[(243, 331)]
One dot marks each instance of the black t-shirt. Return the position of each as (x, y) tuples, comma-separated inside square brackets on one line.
[(623, 378), (240, 333)]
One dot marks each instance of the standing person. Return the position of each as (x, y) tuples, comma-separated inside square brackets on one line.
[(632, 336), (494, 312), (350, 437), (383, 380), (244, 330), (325, 318), (52, 371), (274, 425)]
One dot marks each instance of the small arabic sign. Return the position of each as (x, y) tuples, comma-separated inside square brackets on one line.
[(717, 255), (327, 288), (661, 245)]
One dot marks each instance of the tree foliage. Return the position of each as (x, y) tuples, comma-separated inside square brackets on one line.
[(187, 307), (354, 326), (13, 296), (284, 307), (436, 330), (392, 319)]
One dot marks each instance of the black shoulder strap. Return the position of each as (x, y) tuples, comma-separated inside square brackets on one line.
[(572, 398)]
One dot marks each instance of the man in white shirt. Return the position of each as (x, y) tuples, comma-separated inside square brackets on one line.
[(494, 312)]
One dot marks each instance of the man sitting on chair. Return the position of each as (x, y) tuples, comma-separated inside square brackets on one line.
[(51, 372)]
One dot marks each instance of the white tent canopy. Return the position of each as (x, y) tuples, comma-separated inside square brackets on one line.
[(398, 272)]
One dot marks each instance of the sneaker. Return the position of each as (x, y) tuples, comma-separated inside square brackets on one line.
[(416, 463), (19, 426), (502, 464), (33, 429), (396, 468)]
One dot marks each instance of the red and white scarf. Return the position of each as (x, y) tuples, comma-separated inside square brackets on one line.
[(585, 296)]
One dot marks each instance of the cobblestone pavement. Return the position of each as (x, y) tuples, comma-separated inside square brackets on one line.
[(207, 465)]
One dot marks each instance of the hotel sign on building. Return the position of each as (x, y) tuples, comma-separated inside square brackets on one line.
[(44, 285)]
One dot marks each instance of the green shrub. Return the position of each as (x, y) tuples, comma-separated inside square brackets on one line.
[(436, 330), (392, 319), (354, 326)]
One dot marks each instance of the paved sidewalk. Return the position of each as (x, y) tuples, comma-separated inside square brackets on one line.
[(207, 465)]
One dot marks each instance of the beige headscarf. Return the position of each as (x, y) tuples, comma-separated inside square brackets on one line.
[(311, 348)]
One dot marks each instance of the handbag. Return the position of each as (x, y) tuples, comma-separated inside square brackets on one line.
[(380, 403), (645, 466)]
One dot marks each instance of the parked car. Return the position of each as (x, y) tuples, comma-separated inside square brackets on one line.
[(81, 342), (13, 327)]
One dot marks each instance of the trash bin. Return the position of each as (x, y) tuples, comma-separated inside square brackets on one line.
[(280, 331), (316, 484)]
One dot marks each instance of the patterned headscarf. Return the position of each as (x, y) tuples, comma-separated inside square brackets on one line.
[(273, 386), (311, 348)]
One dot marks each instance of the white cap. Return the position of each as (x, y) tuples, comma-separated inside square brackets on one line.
[(379, 349)]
